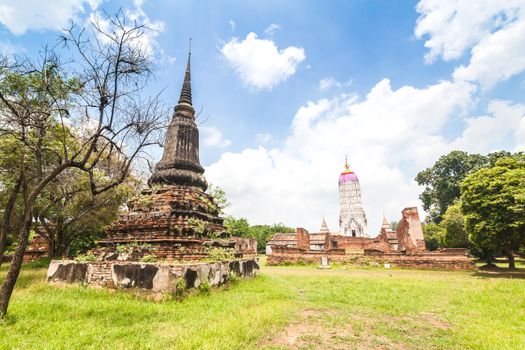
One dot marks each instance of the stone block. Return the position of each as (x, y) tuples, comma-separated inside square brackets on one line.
[(68, 272)]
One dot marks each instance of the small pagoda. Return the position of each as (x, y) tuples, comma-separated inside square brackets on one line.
[(174, 218)]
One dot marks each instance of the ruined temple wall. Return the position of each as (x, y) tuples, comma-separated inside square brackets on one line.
[(153, 277), (360, 243), (247, 246), (303, 239), (444, 260), (410, 232), (427, 261), (284, 255)]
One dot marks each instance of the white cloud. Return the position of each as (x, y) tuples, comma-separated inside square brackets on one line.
[(20, 16), (497, 57), (327, 83), (259, 63), (232, 24), (213, 137), (148, 40), (456, 25), (493, 30), (484, 133), (270, 30), (388, 136)]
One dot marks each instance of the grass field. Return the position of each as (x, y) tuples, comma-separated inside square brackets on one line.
[(283, 308)]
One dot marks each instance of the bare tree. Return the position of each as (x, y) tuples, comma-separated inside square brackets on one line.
[(98, 92)]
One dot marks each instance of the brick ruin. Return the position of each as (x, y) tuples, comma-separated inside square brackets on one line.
[(175, 219), (403, 247), (38, 247)]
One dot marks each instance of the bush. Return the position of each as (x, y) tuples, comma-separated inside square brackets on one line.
[(205, 287), (178, 287), (220, 254), (86, 257), (234, 278), (131, 247), (150, 258)]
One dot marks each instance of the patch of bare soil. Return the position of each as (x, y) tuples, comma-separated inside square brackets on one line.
[(333, 330), (433, 320), (323, 329)]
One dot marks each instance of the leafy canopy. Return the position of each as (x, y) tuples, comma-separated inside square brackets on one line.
[(493, 201), (442, 180)]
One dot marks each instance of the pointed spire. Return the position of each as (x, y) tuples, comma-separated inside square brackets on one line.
[(324, 227), (386, 224), (347, 167), (185, 94)]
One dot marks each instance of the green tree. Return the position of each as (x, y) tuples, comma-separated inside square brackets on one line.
[(453, 224), (99, 89), (433, 234), (442, 180), (493, 201), (237, 227), (219, 197), (67, 213), (262, 233), (11, 186)]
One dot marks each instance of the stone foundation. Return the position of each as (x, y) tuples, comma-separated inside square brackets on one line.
[(446, 259), (149, 276)]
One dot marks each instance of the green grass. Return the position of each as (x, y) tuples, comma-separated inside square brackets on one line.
[(283, 308)]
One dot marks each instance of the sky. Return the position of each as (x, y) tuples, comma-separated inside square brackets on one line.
[(286, 89)]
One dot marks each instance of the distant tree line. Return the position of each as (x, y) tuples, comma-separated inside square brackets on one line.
[(476, 201), (262, 233)]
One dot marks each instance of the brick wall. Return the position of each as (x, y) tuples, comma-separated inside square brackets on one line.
[(451, 260), (303, 239)]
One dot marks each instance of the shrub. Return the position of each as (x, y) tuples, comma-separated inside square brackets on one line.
[(150, 258), (178, 287), (220, 254), (132, 246), (89, 256), (126, 248), (234, 278), (205, 287)]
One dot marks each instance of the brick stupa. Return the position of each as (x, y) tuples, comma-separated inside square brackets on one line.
[(174, 215)]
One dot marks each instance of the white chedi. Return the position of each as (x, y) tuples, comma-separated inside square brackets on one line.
[(352, 218)]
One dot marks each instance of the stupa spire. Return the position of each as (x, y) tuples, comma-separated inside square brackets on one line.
[(185, 94), (385, 224), (180, 164), (324, 227)]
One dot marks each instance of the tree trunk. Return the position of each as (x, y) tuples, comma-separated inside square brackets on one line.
[(489, 260), (510, 257), (6, 222), (7, 287), (52, 248)]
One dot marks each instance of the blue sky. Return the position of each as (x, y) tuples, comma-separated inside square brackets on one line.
[(289, 87)]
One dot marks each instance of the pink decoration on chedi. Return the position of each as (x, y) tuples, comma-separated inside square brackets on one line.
[(347, 176)]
